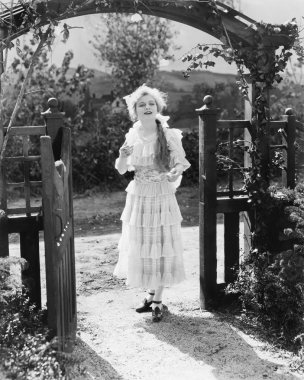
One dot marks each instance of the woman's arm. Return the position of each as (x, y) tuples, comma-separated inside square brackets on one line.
[(121, 164), (121, 161), (175, 172)]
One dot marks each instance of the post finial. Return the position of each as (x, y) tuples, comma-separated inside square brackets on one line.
[(208, 100), (53, 106), (289, 112)]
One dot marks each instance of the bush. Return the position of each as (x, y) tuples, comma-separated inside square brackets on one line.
[(271, 283), (93, 161), (25, 351), (274, 290), (191, 146)]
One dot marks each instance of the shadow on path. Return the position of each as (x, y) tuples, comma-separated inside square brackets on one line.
[(89, 365), (213, 342)]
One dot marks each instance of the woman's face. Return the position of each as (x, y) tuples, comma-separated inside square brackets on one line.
[(146, 108)]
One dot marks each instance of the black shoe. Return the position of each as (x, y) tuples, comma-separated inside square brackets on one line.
[(157, 313), (144, 307)]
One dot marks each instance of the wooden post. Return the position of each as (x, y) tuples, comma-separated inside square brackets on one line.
[(3, 34), (207, 202), (51, 259), (3, 239), (300, 152), (291, 152), (4, 246), (247, 164), (54, 123), (248, 116)]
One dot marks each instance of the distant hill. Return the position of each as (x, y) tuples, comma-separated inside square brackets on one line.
[(173, 81), (177, 79)]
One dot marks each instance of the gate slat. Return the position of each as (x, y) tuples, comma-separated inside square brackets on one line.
[(26, 168), (51, 256), (69, 283), (231, 245), (67, 295), (65, 238), (60, 312)]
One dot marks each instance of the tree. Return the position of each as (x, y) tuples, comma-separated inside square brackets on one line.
[(46, 81), (133, 49), (225, 94)]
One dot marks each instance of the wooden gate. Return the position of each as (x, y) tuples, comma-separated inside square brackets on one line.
[(231, 202), (54, 215), (59, 239)]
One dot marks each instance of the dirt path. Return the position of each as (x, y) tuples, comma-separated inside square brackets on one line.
[(117, 343), (114, 342)]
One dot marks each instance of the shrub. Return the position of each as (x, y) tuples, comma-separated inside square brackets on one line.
[(271, 282), (25, 351), (274, 290), (191, 147), (93, 161)]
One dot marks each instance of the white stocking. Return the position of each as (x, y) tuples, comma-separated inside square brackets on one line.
[(150, 295), (158, 297)]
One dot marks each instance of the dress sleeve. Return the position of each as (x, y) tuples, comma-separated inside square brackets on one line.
[(129, 140), (177, 153)]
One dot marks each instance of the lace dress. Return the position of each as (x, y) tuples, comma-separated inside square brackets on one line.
[(150, 247)]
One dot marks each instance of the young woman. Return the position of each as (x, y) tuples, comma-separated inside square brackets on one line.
[(150, 247)]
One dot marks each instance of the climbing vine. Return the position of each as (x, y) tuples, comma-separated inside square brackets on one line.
[(262, 280), (261, 63)]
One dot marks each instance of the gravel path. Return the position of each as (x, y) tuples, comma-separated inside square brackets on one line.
[(114, 342), (117, 343)]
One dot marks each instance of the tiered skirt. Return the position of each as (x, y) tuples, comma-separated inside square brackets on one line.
[(150, 247)]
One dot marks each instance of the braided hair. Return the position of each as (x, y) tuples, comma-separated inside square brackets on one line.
[(162, 156)]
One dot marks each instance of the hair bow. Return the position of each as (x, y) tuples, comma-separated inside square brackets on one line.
[(163, 119)]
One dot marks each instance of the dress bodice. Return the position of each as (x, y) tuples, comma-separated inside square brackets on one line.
[(142, 160)]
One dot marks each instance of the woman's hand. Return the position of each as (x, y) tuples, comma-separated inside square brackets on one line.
[(125, 151), (174, 174)]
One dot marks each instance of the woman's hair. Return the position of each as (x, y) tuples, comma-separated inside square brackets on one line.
[(132, 99), (162, 156)]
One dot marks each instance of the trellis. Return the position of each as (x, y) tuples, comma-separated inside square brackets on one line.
[(230, 202)]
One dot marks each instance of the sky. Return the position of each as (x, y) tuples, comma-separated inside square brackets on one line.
[(273, 11)]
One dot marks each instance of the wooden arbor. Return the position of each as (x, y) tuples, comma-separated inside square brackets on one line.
[(195, 13)]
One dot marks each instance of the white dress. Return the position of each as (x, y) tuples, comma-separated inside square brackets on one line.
[(150, 247)]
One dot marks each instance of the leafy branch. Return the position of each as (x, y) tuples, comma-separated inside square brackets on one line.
[(43, 40)]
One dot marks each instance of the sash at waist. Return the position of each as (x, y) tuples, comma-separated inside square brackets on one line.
[(148, 175)]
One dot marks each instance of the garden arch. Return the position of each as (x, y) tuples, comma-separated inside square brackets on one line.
[(202, 15), (199, 14)]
